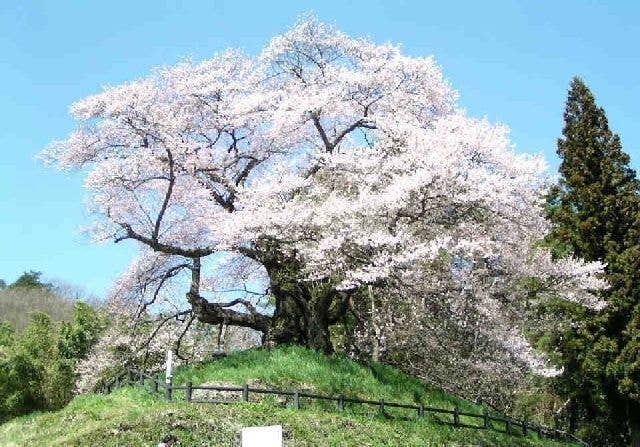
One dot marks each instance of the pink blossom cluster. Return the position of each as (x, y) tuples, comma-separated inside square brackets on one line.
[(354, 157)]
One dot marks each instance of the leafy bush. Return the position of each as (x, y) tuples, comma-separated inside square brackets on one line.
[(38, 366)]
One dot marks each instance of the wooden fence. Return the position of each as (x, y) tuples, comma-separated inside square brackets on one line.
[(485, 421)]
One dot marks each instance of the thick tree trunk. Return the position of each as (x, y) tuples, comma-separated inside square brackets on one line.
[(304, 310), (300, 317), (286, 323), (317, 330), (318, 336)]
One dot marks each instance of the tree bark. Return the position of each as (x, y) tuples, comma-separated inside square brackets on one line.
[(304, 310), (289, 316), (573, 418), (216, 313), (375, 355), (301, 319), (317, 330), (286, 324), (634, 424)]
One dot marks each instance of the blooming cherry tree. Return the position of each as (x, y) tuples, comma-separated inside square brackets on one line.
[(322, 165)]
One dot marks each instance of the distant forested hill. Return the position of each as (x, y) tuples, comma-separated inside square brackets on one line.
[(17, 303), (30, 294)]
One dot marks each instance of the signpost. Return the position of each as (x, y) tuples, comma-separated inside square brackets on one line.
[(169, 364), (169, 376)]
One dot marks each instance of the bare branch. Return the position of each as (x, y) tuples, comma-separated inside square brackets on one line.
[(182, 334), (316, 122), (162, 323)]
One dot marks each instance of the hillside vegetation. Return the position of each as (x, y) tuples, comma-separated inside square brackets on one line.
[(28, 295), (133, 417), (17, 305)]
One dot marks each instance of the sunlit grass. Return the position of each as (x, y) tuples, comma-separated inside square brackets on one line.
[(133, 417)]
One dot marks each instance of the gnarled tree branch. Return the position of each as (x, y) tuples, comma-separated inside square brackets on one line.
[(216, 313)]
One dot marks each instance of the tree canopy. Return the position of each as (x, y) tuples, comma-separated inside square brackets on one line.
[(30, 280), (322, 165)]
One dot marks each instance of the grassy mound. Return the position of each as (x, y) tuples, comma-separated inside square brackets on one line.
[(132, 417)]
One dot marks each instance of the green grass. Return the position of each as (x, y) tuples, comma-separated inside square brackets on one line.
[(295, 367), (132, 417)]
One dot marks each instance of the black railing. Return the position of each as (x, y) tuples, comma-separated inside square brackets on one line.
[(505, 424)]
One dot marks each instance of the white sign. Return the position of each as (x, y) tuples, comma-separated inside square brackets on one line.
[(262, 436)]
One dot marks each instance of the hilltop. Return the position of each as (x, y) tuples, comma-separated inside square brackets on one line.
[(131, 416), (17, 305)]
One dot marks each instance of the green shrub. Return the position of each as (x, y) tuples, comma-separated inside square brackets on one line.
[(37, 367)]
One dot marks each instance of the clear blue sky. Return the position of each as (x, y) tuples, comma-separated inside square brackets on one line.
[(511, 62)]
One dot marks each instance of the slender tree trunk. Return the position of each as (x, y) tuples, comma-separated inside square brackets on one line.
[(634, 424), (375, 354), (222, 329), (573, 418)]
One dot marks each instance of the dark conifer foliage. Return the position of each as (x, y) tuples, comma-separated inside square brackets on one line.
[(596, 209)]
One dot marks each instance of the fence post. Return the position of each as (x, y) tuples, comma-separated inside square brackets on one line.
[(108, 388), (508, 425), (141, 378), (189, 391), (296, 399), (382, 406), (421, 411), (456, 416), (245, 392), (129, 377), (117, 384), (154, 384), (169, 389), (524, 428), (485, 419), (341, 402)]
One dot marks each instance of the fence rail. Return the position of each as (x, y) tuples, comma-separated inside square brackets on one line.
[(506, 424)]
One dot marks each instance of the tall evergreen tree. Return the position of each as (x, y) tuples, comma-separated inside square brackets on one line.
[(30, 280), (596, 209)]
